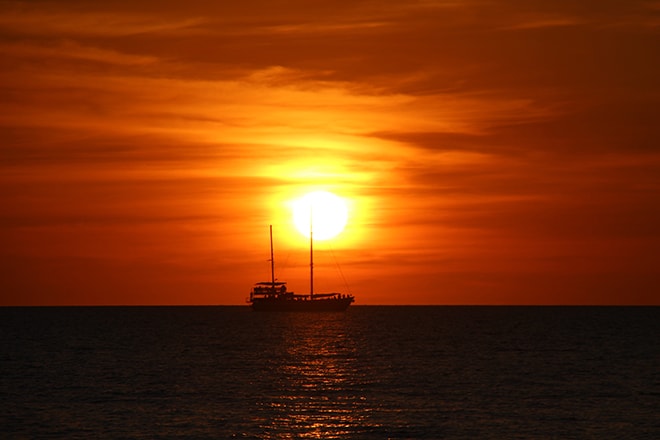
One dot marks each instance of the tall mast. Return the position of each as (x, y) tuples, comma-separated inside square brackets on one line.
[(272, 260), (311, 256)]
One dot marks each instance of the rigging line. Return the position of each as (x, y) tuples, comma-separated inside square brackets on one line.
[(332, 251), (285, 266)]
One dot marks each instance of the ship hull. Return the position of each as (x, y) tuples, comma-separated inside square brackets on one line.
[(288, 305)]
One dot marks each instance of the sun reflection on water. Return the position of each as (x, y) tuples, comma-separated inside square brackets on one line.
[(316, 381)]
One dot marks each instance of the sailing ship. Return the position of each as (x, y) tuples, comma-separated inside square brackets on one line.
[(274, 296)]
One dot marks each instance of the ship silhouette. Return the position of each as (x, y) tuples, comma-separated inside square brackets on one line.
[(273, 296)]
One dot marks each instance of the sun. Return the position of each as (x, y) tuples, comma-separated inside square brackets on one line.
[(323, 212)]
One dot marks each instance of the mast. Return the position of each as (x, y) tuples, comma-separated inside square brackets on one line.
[(272, 260), (311, 256)]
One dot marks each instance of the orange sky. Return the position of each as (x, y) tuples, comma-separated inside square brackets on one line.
[(491, 152)]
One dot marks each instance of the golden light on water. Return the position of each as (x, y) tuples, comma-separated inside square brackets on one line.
[(320, 358)]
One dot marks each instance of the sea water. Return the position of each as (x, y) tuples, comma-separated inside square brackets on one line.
[(367, 373)]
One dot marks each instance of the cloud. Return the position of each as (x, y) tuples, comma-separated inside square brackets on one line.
[(29, 19), (67, 49), (544, 22)]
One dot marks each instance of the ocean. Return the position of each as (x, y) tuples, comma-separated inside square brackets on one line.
[(367, 373)]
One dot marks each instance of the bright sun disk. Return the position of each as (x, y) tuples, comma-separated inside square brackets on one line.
[(324, 212)]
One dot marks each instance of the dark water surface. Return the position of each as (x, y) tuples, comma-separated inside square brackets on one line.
[(368, 373)]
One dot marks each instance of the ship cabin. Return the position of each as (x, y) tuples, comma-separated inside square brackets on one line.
[(267, 290)]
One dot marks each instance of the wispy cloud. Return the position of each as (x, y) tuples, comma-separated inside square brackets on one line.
[(539, 22), (28, 19), (68, 49)]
